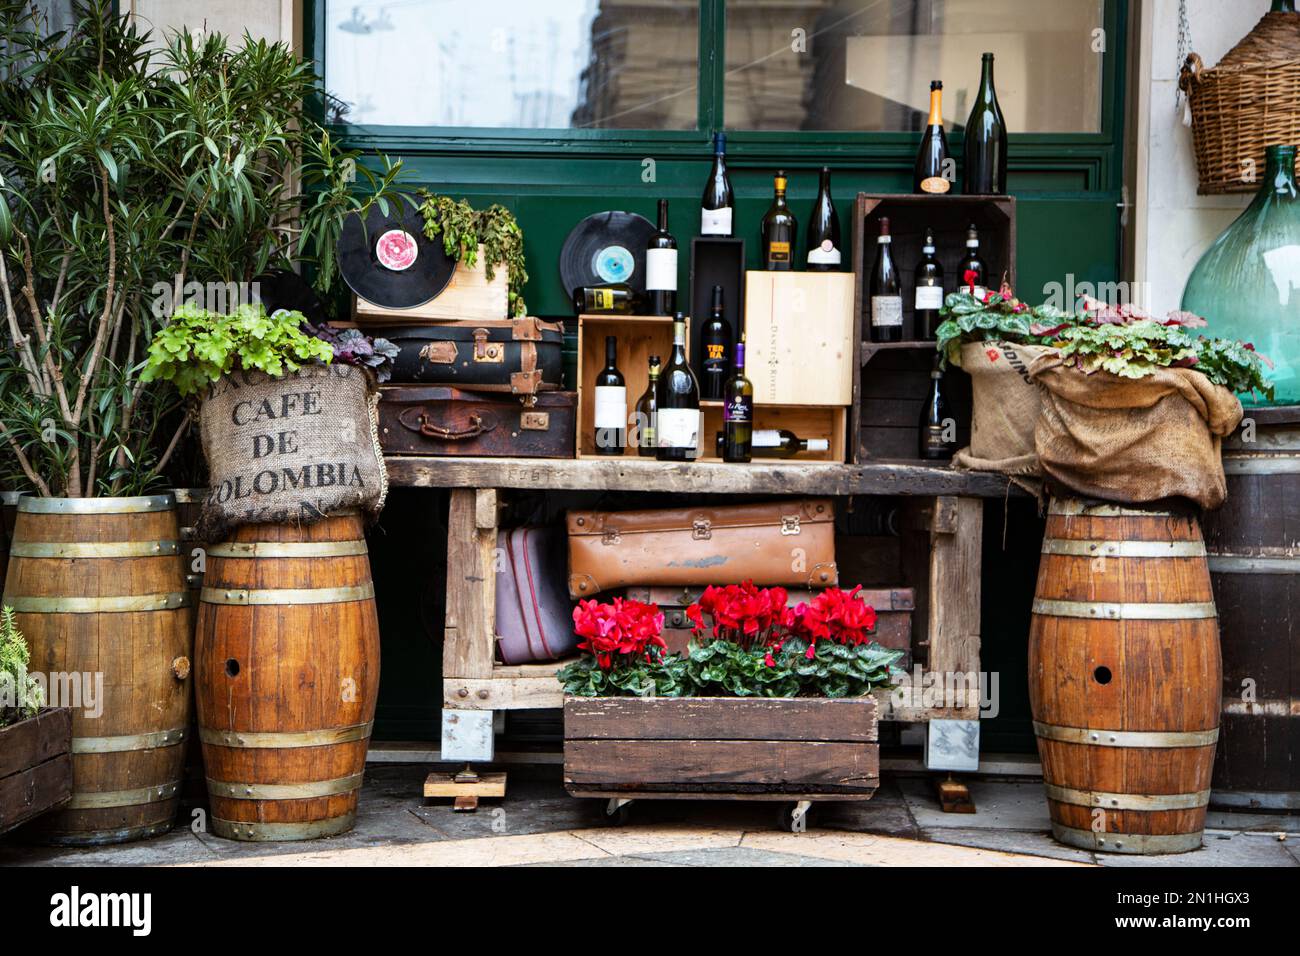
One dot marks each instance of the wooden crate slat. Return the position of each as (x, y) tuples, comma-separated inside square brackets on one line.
[(35, 740), (721, 765), (717, 718)]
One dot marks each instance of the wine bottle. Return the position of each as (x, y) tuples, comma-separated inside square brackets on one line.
[(932, 157), (938, 438), (715, 342), (777, 231), (677, 423), (824, 230), (776, 443), (611, 403), (886, 296), (717, 206), (613, 298), (985, 141), (738, 412), (972, 271), (929, 290), (661, 267), (647, 412)]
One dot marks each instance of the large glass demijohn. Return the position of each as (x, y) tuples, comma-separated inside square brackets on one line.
[(1247, 285)]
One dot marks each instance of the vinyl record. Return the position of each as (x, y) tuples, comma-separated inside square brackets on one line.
[(606, 247), (283, 289), (388, 261)]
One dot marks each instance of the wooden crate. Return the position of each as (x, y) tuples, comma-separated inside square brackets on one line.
[(895, 385), (715, 261), (806, 421), (791, 748), (470, 296), (948, 216), (801, 337), (35, 766), (639, 337)]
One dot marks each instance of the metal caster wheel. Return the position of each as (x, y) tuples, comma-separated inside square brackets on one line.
[(618, 812), (793, 817)]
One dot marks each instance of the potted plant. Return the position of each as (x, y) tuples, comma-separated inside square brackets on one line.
[(35, 741), (768, 701), (135, 179), (479, 239)]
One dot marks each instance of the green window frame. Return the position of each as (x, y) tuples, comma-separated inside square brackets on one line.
[(1094, 157)]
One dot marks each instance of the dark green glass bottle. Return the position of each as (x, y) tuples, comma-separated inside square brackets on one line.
[(738, 412), (985, 141)]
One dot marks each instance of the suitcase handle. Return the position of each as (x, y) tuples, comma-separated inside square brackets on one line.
[(477, 426)]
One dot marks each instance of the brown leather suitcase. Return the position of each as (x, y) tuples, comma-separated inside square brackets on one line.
[(788, 542), (437, 420), (894, 608)]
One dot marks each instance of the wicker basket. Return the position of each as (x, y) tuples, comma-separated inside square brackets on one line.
[(1249, 101)]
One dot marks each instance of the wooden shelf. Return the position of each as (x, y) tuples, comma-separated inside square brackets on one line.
[(635, 474)]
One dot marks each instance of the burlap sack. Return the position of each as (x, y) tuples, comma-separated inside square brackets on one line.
[(1134, 440), (1006, 406), (296, 448)]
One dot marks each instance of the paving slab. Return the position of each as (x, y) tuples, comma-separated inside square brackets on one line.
[(1221, 848), (998, 805), (1034, 842)]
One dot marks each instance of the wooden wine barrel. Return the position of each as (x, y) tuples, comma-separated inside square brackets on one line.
[(287, 661), (1124, 677), (1254, 546), (100, 597), (8, 512)]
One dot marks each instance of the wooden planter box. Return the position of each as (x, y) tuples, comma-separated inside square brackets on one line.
[(35, 766), (803, 748)]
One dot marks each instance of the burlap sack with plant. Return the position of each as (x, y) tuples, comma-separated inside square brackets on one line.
[(1006, 406), (1134, 441), (297, 448)]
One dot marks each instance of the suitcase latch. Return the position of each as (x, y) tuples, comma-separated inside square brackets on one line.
[(485, 351), (610, 537), (535, 421), (702, 529), (789, 524)]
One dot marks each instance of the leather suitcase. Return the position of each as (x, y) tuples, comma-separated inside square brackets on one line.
[(534, 616), (894, 609), (788, 542), (435, 420), (518, 356)]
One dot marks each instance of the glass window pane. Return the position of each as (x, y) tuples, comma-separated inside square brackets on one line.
[(528, 64), (867, 64)]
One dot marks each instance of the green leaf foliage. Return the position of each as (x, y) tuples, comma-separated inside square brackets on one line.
[(21, 695), (463, 229), (198, 346), (721, 668)]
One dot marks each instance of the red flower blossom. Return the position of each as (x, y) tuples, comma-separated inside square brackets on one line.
[(742, 613), (621, 629), (969, 277), (835, 615)]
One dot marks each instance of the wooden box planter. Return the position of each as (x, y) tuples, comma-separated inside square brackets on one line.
[(791, 749), (35, 766)]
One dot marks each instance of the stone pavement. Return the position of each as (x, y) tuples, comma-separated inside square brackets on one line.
[(538, 824)]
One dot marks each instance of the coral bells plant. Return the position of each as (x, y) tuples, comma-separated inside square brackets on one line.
[(621, 630)]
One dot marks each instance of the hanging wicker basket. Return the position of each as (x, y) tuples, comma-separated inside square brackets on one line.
[(1249, 101)]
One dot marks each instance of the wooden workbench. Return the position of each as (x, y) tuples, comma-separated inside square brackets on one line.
[(943, 523)]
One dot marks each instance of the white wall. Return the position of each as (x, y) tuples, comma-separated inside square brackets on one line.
[(274, 20), (1173, 225)]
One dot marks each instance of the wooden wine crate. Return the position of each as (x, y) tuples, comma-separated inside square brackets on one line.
[(715, 261), (806, 421), (35, 766), (469, 297), (639, 337), (801, 337), (699, 747)]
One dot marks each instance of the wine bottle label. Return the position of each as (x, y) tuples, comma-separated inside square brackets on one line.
[(766, 438), (929, 297), (715, 222), (886, 310), (778, 251), (602, 298), (980, 293), (935, 185), (611, 406), (661, 270), (739, 409), (933, 438), (819, 444), (678, 427), (824, 255)]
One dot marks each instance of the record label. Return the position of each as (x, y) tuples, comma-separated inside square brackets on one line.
[(396, 250), (614, 264)]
